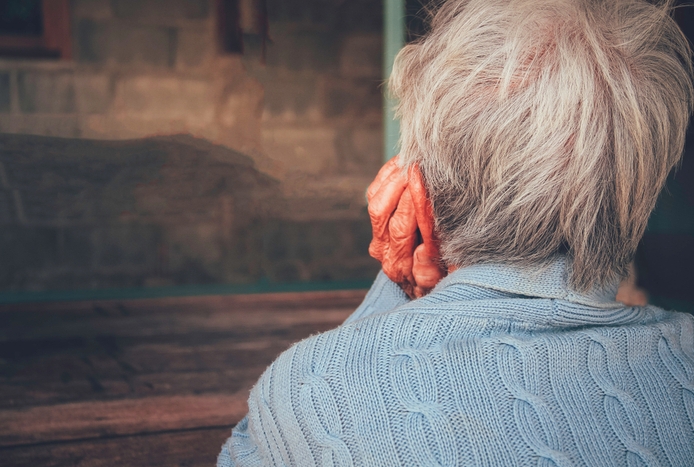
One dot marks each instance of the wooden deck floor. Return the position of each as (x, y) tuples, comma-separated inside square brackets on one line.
[(143, 382)]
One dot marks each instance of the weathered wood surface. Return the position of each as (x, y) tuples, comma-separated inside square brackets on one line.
[(83, 420), (142, 382), (192, 448)]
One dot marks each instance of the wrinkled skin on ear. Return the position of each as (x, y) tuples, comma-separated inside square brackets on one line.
[(403, 230)]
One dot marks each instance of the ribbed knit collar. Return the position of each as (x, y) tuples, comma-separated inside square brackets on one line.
[(532, 297), (545, 281)]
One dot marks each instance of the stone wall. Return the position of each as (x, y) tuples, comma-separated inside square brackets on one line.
[(309, 114), (164, 211)]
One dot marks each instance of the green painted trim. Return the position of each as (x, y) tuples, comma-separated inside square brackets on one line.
[(133, 293), (393, 41)]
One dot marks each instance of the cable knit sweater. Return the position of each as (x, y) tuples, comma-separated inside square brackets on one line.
[(498, 366)]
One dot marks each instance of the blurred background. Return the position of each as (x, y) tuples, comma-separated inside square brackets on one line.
[(187, 152), (277, 111), (176, 147)]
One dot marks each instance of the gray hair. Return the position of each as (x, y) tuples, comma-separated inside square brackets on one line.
[(545, 126)]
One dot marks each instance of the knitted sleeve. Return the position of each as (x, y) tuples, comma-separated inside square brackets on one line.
[(291, 418), (294, 415), (383, 296)]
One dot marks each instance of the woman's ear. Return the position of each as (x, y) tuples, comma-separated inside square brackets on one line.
[(427, 267)]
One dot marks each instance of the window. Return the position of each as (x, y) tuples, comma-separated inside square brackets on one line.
[(238, 18), (35, 29)]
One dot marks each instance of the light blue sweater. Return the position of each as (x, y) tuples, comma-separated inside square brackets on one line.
[(498, 366)]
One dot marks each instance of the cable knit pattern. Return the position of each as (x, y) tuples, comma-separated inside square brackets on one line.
[(531, 413), (430, 436), (620, 408), (320, 408), (673, 352), (498, 366)]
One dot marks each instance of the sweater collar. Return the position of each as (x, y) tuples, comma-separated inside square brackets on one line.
[(549, 280)]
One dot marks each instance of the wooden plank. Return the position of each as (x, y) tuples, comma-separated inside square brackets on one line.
[(189, 448), (104, 419), (173, 322), (174, 315), (68, 352), (42, 372), (286, 300), (96, 370), (160, 384)]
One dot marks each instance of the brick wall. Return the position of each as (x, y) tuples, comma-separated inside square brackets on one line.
[(309, 116), (78, 214)]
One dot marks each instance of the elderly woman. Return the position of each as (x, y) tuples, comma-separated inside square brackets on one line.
[(536, 135)]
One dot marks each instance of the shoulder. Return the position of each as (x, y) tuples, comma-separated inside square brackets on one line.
[(356, 393), (340, 392)]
